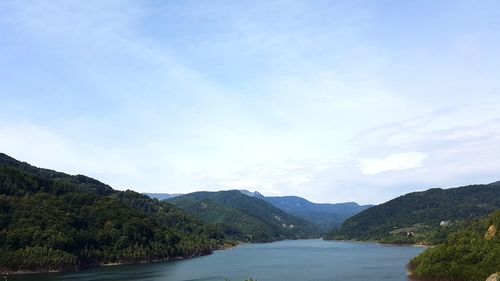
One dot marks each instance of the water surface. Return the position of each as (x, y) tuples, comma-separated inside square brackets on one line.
[(300, 260)]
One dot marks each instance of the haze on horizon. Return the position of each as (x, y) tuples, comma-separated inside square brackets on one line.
[(330, 100)]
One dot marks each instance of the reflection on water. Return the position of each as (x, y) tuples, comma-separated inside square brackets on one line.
[(301, 260)]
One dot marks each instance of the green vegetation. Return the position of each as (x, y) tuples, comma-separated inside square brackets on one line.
[(467, 254), (54, 221), (245, 218), (421, 217)]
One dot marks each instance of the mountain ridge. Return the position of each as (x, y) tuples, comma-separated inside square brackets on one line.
[(326, 215), (420, 215), (52, 221), (162, 196), (245, 217)]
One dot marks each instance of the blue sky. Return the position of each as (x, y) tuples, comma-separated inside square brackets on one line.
[(331, 100)]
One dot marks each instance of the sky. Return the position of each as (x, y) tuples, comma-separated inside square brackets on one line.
[(333, 101)]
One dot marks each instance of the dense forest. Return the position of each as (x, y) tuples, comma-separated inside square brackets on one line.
[(421, 217), (51, 221), (471, 253), (244, 217), (326, 215)]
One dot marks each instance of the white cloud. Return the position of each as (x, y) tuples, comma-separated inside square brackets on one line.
[(270, 178), (398, 161)]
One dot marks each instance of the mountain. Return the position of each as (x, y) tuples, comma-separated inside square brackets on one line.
[(250, 193), (243, 217), (326, 215), (423, 217), (162, 196), (51, 221)]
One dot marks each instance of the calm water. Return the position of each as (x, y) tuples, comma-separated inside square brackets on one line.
[(301, 260)]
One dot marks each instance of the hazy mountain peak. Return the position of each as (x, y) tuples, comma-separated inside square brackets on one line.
[(162, 196), (251, 193)]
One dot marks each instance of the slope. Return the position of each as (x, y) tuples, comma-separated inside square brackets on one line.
[(417, 216), (245, 218), (51, 221), (469, 253)]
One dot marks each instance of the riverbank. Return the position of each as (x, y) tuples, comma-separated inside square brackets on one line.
[(98, 265), (419, 245), (225, 246), (407, 245), (229, 245)]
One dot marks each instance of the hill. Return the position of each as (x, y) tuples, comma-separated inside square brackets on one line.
[(326, 215), (245, 218), (51, 221), (470, 253), (421, 217)]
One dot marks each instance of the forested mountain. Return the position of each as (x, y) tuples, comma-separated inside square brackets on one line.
[(245, 218), (326, 215), (470, 253), (54, 221), (421, 217)]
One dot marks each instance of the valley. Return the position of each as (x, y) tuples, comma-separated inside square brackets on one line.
[(55, 222)]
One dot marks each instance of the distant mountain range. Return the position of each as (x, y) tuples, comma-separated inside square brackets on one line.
[(421, 216), (325, 215), (245, 217), (162, 196)]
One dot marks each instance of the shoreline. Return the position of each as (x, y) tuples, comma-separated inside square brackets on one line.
[(407, 245), (418, 245), (101, 265), (223, 247)]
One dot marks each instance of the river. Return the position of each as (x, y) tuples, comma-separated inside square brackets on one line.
[(291, 260)]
